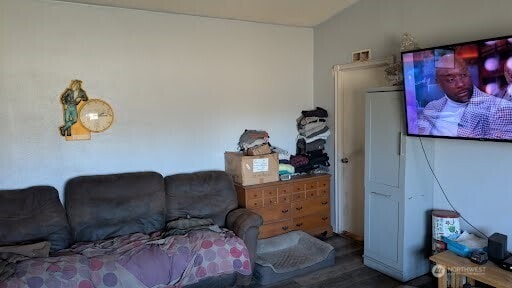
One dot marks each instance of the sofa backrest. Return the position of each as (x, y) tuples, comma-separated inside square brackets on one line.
[(31, 215), (103, 206), (206, 194)]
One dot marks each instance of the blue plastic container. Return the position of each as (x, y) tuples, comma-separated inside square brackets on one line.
[(458, 248)]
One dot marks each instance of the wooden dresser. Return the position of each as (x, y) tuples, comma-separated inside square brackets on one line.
[(301, 203)]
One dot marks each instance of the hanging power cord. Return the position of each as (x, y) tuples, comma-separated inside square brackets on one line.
[(444, 193)]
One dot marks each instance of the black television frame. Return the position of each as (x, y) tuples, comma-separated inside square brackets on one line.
[(404, 98)]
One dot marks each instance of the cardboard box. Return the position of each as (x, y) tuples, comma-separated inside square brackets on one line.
[(263, 149), (250, 170)]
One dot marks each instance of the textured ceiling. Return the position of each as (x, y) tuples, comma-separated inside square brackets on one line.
[(302, 13)]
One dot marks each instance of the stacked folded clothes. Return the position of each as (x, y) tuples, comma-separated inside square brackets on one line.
[(254, 142), (284, 156), (313, 132), (284, 161)]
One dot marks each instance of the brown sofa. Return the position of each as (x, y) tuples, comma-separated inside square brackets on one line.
[(104, 206)]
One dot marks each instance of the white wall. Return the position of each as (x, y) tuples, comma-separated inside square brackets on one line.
[(475, 175), (183, 88)]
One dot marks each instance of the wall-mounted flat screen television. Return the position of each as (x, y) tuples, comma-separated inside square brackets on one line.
[(460, 91)]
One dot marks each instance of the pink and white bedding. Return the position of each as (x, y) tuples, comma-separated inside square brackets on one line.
[(137, 260)]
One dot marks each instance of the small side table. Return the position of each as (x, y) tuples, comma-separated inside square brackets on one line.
[(489, 273)]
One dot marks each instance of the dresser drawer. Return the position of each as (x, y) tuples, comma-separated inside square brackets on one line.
[(324, 184), (284, 189), (270, 192), (298, 209), (254, 203), (312, 222), (275, 213), (318, 205), (299, 187), (277, 228), (311, 185), (323, 192), (284, 198), (311, 194), (298, 196), (312, 206), (253, 194), (270, 201)]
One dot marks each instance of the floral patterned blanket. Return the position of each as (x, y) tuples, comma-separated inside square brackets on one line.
[(137, 260)]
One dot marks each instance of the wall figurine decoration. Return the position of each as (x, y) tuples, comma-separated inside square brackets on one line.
[(72, 99), (83, 115)]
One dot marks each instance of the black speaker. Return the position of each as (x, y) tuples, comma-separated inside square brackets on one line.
[(497, 248)]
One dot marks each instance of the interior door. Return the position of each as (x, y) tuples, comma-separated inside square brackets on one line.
[(353, 84)]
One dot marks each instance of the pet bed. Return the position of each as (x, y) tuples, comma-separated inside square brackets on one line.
[(290, 255)]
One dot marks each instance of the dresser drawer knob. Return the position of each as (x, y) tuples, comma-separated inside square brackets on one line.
[(325, 218), (325, 203), (284, 211), (298, 224), (284, 228), (299, 208)]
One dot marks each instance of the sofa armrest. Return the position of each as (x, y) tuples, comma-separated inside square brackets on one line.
[(241, 220), (245, 223)]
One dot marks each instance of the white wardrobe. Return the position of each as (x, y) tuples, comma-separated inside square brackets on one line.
[(398, 190)]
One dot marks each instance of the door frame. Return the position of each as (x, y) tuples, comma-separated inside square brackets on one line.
[(337, 72)]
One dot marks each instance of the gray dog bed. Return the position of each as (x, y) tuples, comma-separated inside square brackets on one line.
[(290, 255)]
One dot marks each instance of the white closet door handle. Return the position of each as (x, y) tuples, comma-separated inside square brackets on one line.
[(381, 194), (400, 143)]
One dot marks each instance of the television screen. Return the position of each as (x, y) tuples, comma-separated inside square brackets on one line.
[(460, 91)]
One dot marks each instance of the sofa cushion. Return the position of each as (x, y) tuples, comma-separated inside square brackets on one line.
[(38, 249), (104, 206), (31, 215), (138, 260), (206, 194)]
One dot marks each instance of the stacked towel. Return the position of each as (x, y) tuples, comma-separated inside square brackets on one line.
[(286, 169), (313, 132)]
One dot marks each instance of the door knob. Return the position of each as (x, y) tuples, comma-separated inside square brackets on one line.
[(344, 160)]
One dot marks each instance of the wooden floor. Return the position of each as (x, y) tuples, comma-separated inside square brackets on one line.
[(349, 272)]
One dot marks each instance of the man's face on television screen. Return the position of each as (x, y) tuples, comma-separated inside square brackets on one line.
[(456, 81)]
